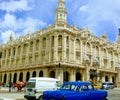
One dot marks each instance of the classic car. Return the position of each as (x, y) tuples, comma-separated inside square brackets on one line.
[(76, 91), (97, 86)]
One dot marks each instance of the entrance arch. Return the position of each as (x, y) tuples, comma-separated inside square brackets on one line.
[(34, 74), (27, 76), (10, 77), (106, 78), (78, 76), (52, 74), (65, 76), (41, 74), (15, 78), (5, 77), (21, 77)]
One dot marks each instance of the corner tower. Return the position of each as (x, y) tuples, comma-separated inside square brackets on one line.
[(61, 13)]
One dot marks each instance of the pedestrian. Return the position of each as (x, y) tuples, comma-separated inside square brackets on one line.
[(10, 86)]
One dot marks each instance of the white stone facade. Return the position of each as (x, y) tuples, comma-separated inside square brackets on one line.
[(60, 51)]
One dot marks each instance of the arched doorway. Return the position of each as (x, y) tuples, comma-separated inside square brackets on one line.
[(113, 79), (5, 77), (65, 76), (21, 77), (27, 76), (78, 76), (106, 78), (34, 74), (52, 74), (15, 78), (41, 74)]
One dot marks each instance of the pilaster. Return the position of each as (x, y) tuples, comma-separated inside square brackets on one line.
[(56, 48), (64, 48)]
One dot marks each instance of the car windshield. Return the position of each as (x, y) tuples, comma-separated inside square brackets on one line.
[(110, 83), (31, 85), (104, 83)]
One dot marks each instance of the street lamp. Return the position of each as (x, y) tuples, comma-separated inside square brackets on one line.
[(86, 62), (59, 71), (96, 63)]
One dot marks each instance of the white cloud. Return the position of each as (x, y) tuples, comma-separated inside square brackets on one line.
[(83, 8), (5, 35), (14, 5), (11, 24), (9, 21), (97, 10)]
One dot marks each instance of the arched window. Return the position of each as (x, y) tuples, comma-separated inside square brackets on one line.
[(41, 74), (27, 76), (52, 74), (34, 74)]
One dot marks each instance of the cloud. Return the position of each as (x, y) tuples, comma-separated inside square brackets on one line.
[(5, 35), (11, 24), (16, 5), (100, 16)]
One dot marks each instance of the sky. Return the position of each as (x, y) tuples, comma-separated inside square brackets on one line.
[(22, 16)]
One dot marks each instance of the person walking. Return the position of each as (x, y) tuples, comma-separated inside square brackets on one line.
[(10, 86)]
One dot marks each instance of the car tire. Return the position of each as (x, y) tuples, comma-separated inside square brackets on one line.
[(41, 97), (104, 98)]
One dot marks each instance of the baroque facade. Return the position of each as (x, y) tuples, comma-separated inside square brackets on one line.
[(60, 51)]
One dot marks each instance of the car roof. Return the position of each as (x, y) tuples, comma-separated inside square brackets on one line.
[(79, 83)]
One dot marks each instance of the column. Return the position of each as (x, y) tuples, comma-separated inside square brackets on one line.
[(21, 53), (110, 78), (6, 63), (24, 75), (46, 72), (11, 55), (18, 74), (56, 48), (47, 49), (82, 53), (33, 53), (40, 50), (87, 72), (49, 56), (74, 51), (61, 75), (70, 49), (12, 78), (27, 54), (37, 72), (64, 48)]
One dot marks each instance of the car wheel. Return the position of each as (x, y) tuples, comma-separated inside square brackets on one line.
[(41, 97), (104, 98)]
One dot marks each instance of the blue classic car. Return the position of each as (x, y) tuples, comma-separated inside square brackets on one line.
[(76, 91)]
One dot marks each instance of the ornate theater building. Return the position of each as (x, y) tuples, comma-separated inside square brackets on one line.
[(60, 51)]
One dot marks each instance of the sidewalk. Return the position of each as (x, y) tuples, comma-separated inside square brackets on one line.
[(13, 95)]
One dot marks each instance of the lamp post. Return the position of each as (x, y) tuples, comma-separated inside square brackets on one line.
[(86, 61), (96, 64), (59, 71)]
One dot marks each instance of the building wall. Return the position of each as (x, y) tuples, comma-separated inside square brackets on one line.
[(60, 51)]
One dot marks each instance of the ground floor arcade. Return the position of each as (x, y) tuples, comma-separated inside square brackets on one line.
[(63, 73)]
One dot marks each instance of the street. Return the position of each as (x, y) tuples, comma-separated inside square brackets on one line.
[(114, 94)]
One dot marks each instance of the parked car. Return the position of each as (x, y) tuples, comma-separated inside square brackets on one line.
[(97, 87), (37, 85), (107, 85), (76, 91)]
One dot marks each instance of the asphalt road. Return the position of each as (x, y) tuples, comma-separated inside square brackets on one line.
[(114, 94)]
